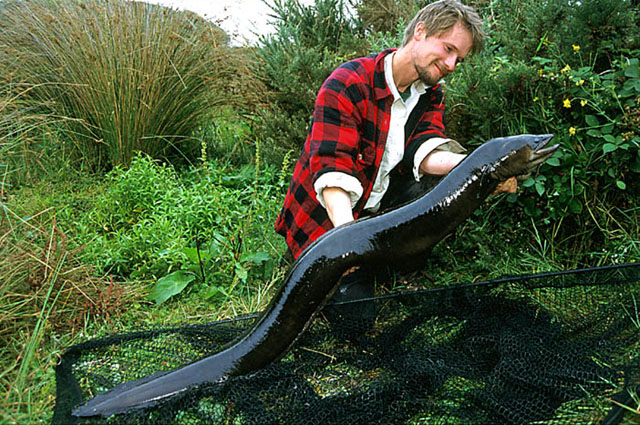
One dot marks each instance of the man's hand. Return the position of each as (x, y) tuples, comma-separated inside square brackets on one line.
[(508, 186)]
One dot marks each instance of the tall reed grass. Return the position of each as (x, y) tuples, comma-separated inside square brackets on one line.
[(48, 297), (122, 76)]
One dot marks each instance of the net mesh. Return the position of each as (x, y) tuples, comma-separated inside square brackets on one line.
[(549, 348)]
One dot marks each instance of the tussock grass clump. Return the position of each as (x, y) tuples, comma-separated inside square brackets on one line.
[(48, 297), (126, 76)]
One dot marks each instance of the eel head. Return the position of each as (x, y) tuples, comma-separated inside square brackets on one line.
[(518, 155)]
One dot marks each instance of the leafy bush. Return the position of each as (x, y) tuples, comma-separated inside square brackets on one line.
[(571, 70), (213, 224), (385, 16), (132, 193), (523, 29), (597, 117), (309, 43), (122, 76)]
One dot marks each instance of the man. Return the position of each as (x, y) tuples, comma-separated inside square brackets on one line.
[(376, 115)]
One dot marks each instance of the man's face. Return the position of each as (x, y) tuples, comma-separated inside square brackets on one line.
[(436, 56)]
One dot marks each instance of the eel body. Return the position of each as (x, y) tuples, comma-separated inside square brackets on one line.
[(388, 238)]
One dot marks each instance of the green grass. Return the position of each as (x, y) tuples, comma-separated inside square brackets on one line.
[(55, 293)]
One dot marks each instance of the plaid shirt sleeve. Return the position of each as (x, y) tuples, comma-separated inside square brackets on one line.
[(334, 136)]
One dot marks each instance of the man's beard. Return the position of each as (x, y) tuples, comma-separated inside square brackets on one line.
[(426, 77)]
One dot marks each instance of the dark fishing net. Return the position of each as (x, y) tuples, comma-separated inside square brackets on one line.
[(546, 349)]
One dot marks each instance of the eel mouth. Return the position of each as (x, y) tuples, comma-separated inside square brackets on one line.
[(534, 151), (539, 145), (540, 153)]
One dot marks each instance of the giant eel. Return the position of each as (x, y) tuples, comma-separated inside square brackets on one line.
[(388, 238)]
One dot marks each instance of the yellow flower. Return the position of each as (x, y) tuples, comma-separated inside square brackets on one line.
[(566, 69), (566, 103), (583, 102), (580, 82), (575, 47), (572, 131), (535, 99), (539, 73)]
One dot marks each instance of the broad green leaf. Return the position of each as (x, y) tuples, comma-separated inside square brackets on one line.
[(256, 257), (632, 71), (611, 139), (621, 185), (594, 133), (540, 188), (192, 254), (607, 129), (195, 257), (170, 285), (609, 147), (194, 268), (241, 272), (592, 120), (630, 87), (528, 182), (554, 162), (575, 206)]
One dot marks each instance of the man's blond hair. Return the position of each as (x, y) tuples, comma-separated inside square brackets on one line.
[(441, 15)]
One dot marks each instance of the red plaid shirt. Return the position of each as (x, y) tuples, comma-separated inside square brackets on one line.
[(348, 133)]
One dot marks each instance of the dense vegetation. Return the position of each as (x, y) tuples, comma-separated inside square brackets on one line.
[(143, 158)]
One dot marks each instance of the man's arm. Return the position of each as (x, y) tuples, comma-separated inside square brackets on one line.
[(439, 163), (337, 200), (338, 205)]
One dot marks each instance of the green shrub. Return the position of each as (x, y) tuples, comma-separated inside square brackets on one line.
[(386, 16), (524, 28), (214, 223), (121, 230), (571, 70), (133, 192), (596, 119), (309, 43), (122, 76)]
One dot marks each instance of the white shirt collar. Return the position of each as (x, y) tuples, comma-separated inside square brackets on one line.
[(417, 88)]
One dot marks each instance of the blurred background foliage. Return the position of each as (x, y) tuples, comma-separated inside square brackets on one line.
[(143, 158)]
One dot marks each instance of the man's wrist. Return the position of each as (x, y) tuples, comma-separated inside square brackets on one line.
[(338, 205), (341, 180)]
